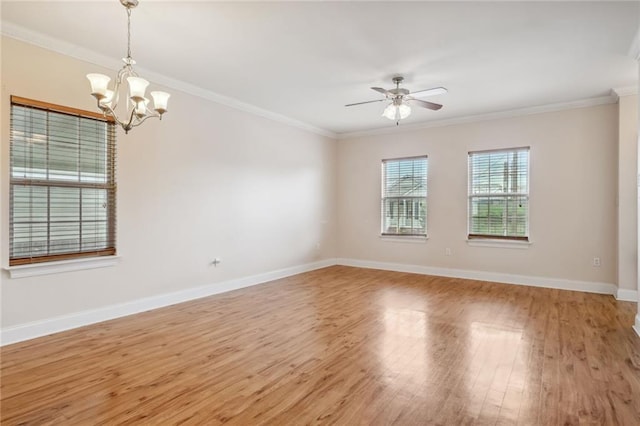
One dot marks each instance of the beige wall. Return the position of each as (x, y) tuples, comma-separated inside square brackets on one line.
[(573, 185), (208, 181), (627, 192)]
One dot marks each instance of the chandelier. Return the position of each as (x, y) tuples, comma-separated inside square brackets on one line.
[(137, 105)]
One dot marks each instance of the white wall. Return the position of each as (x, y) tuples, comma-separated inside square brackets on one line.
[(627, 192), (573, 217), (207, 181), (210, 181)]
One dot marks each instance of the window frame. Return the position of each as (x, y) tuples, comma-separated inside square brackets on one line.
[(398, 200), (470, 196), (109, 186)]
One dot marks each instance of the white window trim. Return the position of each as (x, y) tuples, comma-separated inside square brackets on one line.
[(47, 268), (419, 239), (498, 243), (402, 237)]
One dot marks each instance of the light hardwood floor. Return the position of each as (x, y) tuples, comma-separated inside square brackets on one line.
[(340, 345)]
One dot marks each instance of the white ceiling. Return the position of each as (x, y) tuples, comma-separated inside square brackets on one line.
[(306, 60)]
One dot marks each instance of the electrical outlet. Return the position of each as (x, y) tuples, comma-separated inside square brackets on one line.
[(447, 252), (596, 262)]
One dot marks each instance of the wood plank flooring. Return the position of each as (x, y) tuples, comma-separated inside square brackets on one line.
[(344, 346)]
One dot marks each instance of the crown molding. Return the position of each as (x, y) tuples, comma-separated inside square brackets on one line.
[(581, 103), (618, 92), (26, 35)]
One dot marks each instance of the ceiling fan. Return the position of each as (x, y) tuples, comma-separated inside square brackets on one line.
[(399, 107)]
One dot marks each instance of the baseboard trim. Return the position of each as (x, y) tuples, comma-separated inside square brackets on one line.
[(556, 283), (627, 295), (636, 327), (35, 329)]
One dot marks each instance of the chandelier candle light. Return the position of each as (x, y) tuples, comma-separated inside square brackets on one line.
[(137, 104)]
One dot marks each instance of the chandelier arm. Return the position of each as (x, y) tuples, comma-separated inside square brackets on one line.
[(140, 121), (151, 112), (124, 72), (108, 111), (130, 124), (134, 121)]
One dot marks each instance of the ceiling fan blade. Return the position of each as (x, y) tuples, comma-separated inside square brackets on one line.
[(429, 92), (425, 104), (383, 91), (366, 102)]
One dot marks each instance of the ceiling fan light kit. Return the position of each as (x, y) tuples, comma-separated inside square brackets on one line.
[(137, 110), (399, 108), (397, 111)]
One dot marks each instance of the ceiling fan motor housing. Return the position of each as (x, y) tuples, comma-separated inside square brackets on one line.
[(399, 92), (400, 98)]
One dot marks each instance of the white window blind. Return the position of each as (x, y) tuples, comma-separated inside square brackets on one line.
[(404, 196), (499, 194), (62, 200)]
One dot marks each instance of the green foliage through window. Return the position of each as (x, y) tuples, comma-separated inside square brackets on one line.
[(499, 194)]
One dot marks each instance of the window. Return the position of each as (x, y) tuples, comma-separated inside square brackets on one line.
[(499, 194), (62, 200), (404, 196)]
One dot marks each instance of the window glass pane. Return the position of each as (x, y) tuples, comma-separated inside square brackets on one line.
[(62, 183), (29, 239), (499, 172), (94, 235), (64, 147), (29, 143), (406, 178), (498, 193), (390, 216), (404, 197), (404, 216), (30, 219), (94, 218), (64, 204), (94, 204), (93, 158), (63, 237), (29, 204), (517, 211)]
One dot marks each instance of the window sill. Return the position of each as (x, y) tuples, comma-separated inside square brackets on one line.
[(498, 243), (404, 239), (47, 268)]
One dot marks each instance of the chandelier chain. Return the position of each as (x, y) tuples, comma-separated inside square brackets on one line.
[(129, 33)]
